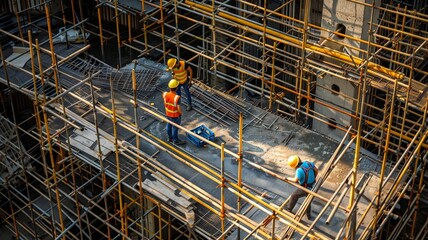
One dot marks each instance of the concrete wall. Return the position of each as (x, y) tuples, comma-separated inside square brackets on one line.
[(355, 18), (338, 99), (351, 15)]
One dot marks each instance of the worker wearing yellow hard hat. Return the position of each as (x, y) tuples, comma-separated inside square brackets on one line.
[(173, 112), (173, 84), (183, 73), (306, 174)]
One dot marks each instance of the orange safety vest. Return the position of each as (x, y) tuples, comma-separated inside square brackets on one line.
[(180, 73), (170, 100)]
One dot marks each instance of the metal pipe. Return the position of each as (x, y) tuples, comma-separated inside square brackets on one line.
[(72, 88), (418, 197), (46, 109), (35, 103), (239, 159), (17, 233), (102, 171), (116, 16), (328, 203), (423, 232), (392, 207), (115, 135), (392, 171), (386, 146), (358, 137), (65, 59), (299, 81), (40, 131), (406, 104), (137, 144), (100, 28), (222, 185), (46, 123), (334, 210), (272, 78), (394, 187), (353, 208)]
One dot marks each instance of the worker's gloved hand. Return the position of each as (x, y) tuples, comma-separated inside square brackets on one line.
[(189, 82)]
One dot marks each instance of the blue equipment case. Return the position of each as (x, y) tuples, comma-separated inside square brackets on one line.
[(202, 131)]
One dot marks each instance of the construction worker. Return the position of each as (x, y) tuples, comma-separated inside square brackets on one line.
[(305, 175), (173, 112), (183, 73)]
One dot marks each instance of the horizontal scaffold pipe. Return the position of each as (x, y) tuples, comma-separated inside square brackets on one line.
[(397, 134), (287, 39)]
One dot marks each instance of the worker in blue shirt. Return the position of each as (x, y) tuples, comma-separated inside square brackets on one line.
[(306, 174)]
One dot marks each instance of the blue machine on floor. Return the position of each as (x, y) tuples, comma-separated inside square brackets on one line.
[(202, 131)]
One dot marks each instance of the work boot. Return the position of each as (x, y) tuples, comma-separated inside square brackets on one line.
[(189, 107), (170, 139), (179, 142)]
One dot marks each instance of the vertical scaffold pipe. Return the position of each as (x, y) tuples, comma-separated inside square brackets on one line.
[(100, 158), (222, 211), (100, 26), (46, 119), (116, 147), (137, 144), (116, 16), (239, 159)]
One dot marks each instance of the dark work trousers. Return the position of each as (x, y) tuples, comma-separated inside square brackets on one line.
[(171, 130), (298, 193), (185, 86)]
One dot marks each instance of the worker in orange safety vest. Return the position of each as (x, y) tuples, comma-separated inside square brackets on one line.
[(183, 73), (173, 112)]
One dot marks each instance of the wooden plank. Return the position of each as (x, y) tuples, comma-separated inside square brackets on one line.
[(153, 191), (167, 192), (188, 212), (83, 148), (82, 140), (88, 138), (160, 177)]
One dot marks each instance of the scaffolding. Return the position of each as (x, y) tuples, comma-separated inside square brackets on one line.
[(78, 180)]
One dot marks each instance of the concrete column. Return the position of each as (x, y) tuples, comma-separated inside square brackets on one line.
[(353, 20)]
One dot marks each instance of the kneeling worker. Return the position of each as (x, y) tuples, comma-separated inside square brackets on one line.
[(173, 112)]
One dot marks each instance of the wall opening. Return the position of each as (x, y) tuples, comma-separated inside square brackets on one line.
[(332, 124), (335, 89), (340, 28)]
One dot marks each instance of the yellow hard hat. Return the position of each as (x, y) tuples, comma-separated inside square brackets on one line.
[(171, 62), (173, 83), (293, 161)]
